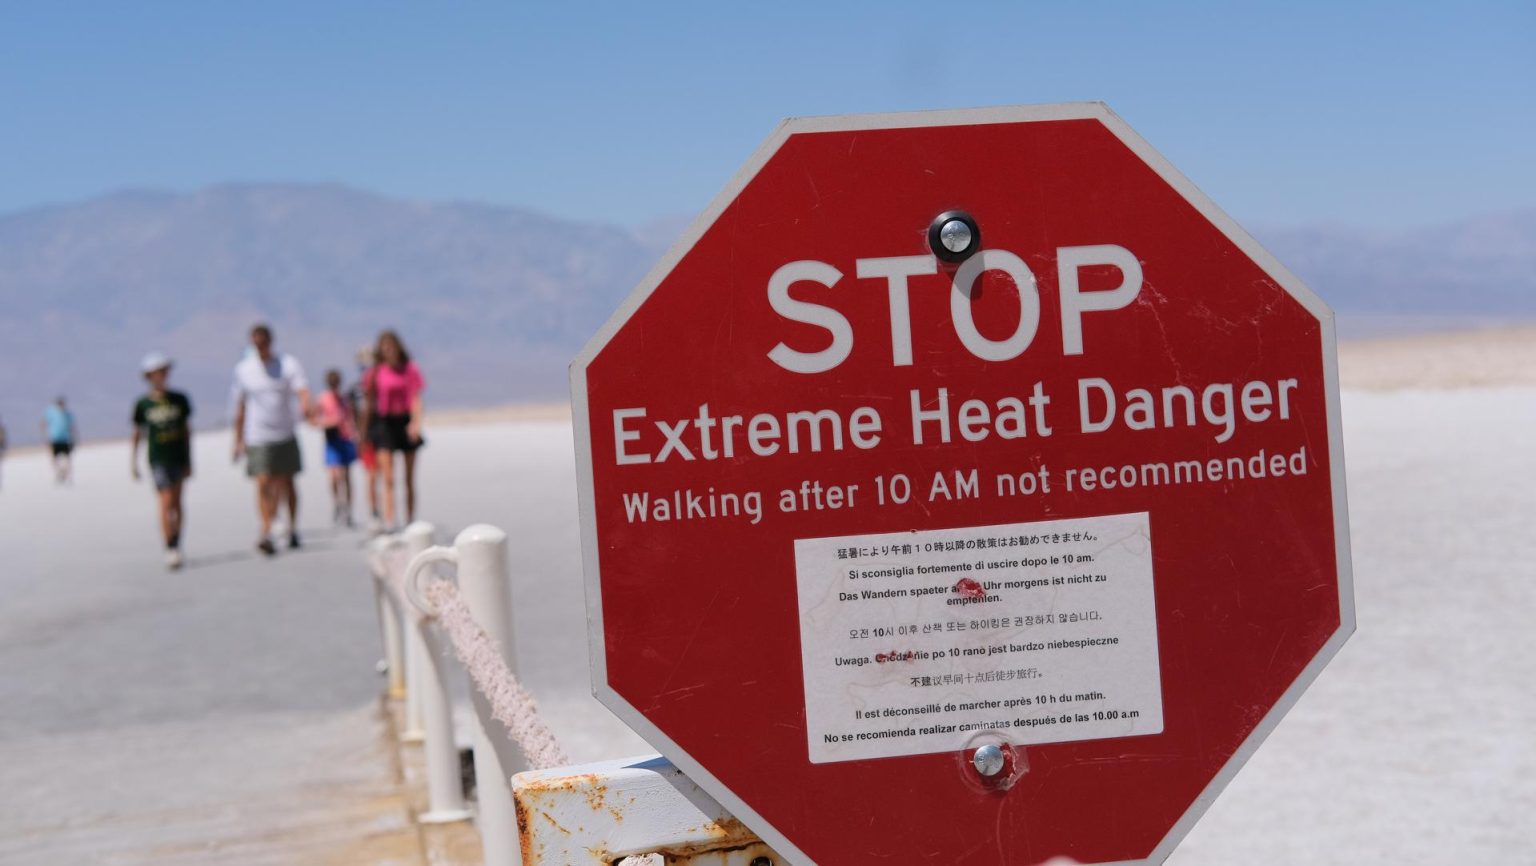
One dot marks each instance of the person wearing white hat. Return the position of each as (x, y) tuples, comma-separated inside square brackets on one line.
[(161, 418)]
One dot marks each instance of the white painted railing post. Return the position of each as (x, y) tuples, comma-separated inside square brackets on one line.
[(416, 538), (445, 780), (485, 584), (389, 620), (394, 655), (485, 587)]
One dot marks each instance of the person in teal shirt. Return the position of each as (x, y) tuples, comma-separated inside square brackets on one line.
[(59, 429)]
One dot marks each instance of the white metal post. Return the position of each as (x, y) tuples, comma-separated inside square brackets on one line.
[(485, 584), (389, 623), (416, 538), (445, 779)]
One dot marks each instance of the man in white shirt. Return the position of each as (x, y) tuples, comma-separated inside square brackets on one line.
[(271, 396)]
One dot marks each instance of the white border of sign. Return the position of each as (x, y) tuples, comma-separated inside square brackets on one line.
[(961, 117)]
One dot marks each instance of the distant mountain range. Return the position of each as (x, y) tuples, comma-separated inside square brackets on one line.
[(1474, 269), (496, 298)]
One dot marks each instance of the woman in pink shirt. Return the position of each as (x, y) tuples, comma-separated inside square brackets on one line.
[(394, 387)]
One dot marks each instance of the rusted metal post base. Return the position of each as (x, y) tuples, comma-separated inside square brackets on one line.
[(640, 808)]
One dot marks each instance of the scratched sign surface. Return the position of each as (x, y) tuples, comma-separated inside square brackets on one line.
[(856, 504)]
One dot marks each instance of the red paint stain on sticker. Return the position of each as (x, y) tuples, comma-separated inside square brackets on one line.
[(970, 588)]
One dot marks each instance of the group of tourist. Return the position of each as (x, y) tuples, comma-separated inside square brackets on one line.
[(374, 421), (385, 404)]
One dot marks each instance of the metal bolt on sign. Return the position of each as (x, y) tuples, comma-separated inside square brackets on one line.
[(989, 760), (954, 236)]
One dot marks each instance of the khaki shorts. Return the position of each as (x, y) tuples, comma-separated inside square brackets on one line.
[(276, 458)]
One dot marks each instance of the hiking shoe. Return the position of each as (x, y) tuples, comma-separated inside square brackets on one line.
[(267, 547)]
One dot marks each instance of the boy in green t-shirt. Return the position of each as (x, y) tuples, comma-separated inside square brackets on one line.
[(161, 419)]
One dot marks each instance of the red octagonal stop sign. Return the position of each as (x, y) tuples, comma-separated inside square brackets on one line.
[(963, 488)]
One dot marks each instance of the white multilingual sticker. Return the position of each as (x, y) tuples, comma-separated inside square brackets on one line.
[(916, 642)]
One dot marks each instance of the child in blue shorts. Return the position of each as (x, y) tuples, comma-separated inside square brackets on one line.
[(340, 445)]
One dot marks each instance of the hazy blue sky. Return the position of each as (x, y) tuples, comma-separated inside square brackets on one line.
[(1379, 114)]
